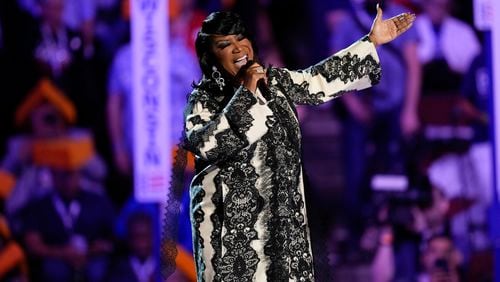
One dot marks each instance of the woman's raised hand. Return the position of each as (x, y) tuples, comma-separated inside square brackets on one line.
[(384, 31)]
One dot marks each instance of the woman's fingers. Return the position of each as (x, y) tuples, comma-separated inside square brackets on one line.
[(402, 22), (257, 72), (257, 68), (404, 28), (379, 16), (384, 31), (254, 73), (406, 23)]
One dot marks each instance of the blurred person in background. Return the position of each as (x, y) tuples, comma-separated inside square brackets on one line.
[(139, 264), (57, 48), (437, 214), (466, 177), (57, 51), (290, 29), (185, 21), (402, 215), (185, 18), (46, 116), (399, 222), (147, 214), (68, 232), (376, 125), (111, 29), (76, 15), (445, 60), (440, 260)]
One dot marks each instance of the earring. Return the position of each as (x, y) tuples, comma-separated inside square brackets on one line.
[(217, 77)]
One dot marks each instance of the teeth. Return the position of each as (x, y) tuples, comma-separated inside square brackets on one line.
[(242, 58), (241, 61)]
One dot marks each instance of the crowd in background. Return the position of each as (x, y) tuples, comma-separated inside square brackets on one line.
[(416, 156)]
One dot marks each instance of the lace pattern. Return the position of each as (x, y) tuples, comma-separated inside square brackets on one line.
[(244, 211), (348, 68)]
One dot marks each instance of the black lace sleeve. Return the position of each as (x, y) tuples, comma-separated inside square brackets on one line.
[(354, 68), (214, 132)]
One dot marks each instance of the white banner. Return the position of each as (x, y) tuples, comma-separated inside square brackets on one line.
[(483, 14), (152, 148), (495, 35)]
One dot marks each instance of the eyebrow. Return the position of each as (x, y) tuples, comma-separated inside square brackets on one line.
[(220, 40)]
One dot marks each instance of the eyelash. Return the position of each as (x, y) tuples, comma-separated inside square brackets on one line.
[(224, 45)]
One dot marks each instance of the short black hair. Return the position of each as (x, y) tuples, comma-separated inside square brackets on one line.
[(217, 23)]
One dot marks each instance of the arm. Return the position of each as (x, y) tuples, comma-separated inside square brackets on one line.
[(214, 135), (118, 91), (409, 115), (37, 247), (382, 267), (115, 123), (354, 68)]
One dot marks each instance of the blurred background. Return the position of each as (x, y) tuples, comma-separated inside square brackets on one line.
[(400, 176)]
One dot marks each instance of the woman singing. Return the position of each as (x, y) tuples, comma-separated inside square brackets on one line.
[(248, 209)]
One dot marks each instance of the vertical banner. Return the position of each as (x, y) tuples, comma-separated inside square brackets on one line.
[(495, 75), (483, 14), (495, 66), (152, 148)]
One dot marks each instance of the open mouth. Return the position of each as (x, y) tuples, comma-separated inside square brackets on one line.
[(241, 61)]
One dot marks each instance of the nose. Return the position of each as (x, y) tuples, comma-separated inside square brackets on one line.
[(237, 47)]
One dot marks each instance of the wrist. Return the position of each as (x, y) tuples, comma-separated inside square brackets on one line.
[(371, 38)]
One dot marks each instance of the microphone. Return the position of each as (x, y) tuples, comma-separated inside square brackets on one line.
[(261, 83), (264, 89), (244, 68)]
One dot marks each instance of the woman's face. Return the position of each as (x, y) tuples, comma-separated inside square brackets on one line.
[(232, 51)]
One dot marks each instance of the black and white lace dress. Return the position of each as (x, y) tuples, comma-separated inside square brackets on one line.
[(247, 202)]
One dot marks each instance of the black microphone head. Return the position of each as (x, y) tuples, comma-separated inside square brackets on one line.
[(264, 89)]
